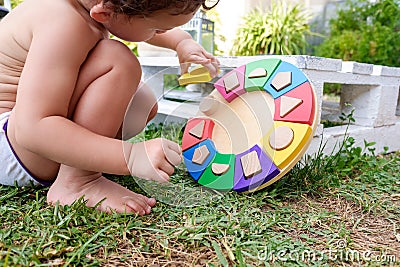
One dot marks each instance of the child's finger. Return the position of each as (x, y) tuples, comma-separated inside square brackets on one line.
[(167, 168), (185, 67), (208, 55), (199, 59), (173, 158), (212, 68), (216, 63), (173, 153), (172, 146), (162, 176)]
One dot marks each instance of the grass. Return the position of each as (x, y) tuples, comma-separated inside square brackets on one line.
[(341, 210)]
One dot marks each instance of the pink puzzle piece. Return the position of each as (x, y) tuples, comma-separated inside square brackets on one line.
[(191, 139), (302, 113), (228, 86)]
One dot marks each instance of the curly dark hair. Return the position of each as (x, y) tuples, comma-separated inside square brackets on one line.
[(146, 7)]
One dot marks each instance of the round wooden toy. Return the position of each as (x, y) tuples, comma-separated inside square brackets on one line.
[(252, 129)]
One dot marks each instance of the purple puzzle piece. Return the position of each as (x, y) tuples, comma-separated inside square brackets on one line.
[(269, 171)]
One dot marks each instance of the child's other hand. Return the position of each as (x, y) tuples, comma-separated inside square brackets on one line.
[(154, 159), (190, 51)]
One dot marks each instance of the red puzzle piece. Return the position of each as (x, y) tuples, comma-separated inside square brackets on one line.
[(189, 139), (303, 113)]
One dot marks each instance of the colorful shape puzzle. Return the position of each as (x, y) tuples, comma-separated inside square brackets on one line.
[(231, 82), (283, 139), (200, 155), (209, 105), (197, 131), (302, 133), (282, 80), (219, 168), (250, 164), (258, 73)]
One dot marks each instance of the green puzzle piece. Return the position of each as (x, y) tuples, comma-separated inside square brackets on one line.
[(219, 182), (256, 84)]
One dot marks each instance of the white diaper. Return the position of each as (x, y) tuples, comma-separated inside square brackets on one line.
[(12, 171)]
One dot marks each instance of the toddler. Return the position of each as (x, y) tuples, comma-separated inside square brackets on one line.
[(65, 88)]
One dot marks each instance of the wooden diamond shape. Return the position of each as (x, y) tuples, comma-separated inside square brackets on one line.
[(231, 82), (251, 164)]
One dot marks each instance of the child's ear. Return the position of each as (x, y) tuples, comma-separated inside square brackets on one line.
[(100, 13)]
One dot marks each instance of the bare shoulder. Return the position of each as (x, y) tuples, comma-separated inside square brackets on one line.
[(61, 20)]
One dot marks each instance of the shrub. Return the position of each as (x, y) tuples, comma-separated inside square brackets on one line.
[(280, 30), (366, 32)]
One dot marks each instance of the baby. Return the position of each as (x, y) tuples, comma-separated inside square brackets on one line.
[(65, 88)]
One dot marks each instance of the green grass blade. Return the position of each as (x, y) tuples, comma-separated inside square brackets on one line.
[(220, 254)]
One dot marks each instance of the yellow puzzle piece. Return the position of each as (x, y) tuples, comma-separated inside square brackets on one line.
[(199, 74), (301, 135)]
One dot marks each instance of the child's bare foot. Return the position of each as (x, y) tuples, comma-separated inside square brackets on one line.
[(96, 188)]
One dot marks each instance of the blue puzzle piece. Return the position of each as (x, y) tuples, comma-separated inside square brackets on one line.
[(196, 170), (298, 78)]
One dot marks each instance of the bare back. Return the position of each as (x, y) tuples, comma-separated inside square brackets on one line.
[(20, 27)]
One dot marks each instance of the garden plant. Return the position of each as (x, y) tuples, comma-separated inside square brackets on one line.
[(365, 31), (281, 30)]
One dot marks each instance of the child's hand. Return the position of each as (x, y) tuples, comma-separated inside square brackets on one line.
[(154, 159), (190, 51)]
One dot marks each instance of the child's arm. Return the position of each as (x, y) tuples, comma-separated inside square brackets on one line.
[(187, 49)]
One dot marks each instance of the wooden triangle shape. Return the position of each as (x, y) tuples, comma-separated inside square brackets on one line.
[(288, 104), (197, 131)]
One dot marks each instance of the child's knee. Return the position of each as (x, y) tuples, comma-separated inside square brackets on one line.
[(121, 58), (153, 112)]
